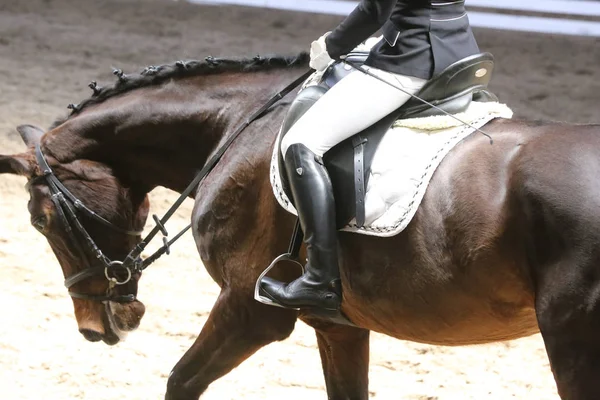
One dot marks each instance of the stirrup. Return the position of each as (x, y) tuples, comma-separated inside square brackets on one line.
[(292, 255), (265, 300)]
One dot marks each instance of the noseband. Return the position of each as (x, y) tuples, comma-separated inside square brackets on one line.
[(67, 208), (120, 273)]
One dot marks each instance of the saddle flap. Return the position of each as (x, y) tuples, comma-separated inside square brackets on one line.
[(303, 101)]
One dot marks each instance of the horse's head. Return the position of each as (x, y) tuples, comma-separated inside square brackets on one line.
[(97, 187)]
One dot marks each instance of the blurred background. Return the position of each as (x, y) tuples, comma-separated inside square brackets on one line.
[(547, 67)]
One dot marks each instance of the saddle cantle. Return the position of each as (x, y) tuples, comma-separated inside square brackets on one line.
[(349, 162)]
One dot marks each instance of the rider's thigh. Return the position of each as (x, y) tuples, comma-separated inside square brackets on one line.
[(353, 104)]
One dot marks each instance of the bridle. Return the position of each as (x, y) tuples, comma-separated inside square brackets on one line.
[(120, 273), (67, 208)]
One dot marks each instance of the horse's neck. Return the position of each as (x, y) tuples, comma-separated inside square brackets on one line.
[(163, 139)]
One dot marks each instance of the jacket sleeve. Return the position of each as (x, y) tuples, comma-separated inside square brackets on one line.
[(365, 20)]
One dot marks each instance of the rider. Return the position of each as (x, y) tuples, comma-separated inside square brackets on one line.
[(420, 39)]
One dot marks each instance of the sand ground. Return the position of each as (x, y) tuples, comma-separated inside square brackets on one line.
[(49, 51)]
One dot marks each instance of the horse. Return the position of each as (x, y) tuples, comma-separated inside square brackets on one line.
[(504, 244)]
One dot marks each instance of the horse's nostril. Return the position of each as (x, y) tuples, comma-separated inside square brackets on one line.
[(91, 335)]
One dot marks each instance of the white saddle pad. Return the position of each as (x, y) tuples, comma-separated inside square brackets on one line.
[(403, 165)]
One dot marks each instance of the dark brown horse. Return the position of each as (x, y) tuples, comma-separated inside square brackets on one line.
[(505, 243)]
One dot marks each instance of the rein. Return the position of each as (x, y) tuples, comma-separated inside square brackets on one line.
[(133, 257), (121, 273)]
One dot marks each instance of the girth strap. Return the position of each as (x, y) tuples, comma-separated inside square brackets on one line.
[(358, 143)]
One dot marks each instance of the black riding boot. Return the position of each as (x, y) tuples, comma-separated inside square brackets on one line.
[(313, 198)]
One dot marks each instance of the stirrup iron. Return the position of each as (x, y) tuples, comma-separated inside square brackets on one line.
[(292, 256)]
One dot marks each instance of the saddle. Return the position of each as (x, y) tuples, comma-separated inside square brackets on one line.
[(349, 162)]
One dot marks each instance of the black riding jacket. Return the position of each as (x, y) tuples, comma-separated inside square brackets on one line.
[(421, 37)]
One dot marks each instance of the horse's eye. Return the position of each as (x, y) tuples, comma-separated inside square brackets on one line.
[(40, 223)]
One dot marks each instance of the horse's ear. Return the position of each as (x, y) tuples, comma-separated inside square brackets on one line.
[(30, 134), (19, 164)]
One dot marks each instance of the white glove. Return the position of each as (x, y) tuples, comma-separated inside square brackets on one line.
[(319, 58)]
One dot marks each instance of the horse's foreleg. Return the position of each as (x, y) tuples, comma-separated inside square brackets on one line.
[(236, 328), (568, 311), (345, 358)]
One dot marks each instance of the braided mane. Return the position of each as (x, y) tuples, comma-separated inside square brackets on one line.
[(154, 75)]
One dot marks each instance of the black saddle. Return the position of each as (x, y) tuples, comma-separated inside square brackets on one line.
[(349, 161)]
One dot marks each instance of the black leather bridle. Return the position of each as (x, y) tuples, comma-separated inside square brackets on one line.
[(67, 208), (119, 273)]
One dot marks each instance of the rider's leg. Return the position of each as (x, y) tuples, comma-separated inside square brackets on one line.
[(352, 105)]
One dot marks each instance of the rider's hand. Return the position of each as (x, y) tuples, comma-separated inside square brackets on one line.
[(319, 58)]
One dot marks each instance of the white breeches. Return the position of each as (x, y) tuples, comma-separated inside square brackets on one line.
[(353, 104)]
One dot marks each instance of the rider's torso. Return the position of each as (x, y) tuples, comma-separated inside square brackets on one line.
[(424, 37)]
